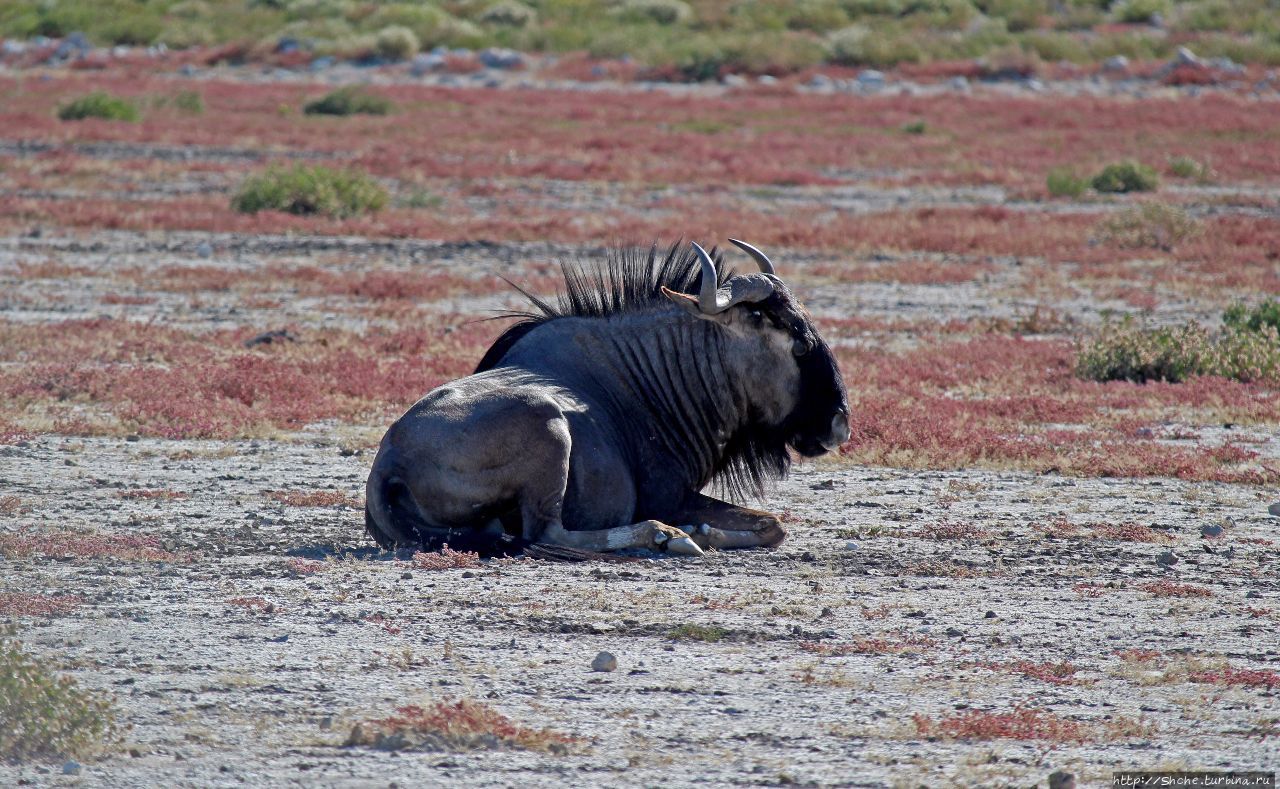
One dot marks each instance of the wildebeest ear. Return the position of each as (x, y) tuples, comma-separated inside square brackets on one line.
[(690, 305)]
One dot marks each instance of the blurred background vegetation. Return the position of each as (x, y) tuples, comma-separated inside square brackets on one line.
[(690, 39)]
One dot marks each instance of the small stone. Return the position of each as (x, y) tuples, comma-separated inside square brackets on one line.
[(1253, 594), (767, 79), (468, 574), (871, 77), (1211, 531), (501, 58), (71, 767), (605, 661), (821, 82), (1116, 63), (1274, 509), (1168, 559), (733, 80), (406, 576), (1062, 780), (1186, 57), (204, 249), (601, 627), (959, 84), (955, 632), (990, 615)]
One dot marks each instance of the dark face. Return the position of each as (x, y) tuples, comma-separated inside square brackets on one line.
[(820, 421)]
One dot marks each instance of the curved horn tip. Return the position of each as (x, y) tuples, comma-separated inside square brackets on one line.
[(761, 259), (708, 295)]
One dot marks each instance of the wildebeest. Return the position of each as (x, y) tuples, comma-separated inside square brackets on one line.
[(595, 423)]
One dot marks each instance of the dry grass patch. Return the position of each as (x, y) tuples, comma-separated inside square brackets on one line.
[(1022, 723), (23, 604), (83, 547), (315, 498), (463, 725), (895, 644), (446, 559), (1174, 589)]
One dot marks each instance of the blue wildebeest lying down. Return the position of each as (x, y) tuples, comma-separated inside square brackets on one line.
[(594, 424)]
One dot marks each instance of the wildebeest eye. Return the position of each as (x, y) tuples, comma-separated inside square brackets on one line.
[(756, 316), (800, 346)]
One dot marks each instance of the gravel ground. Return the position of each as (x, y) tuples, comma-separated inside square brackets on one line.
[(730, 667)]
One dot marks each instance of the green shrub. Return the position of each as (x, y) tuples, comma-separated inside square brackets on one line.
[(914, 127), (396, 43), (1129, 352), (1139, 12), (44, 716), (1186, 167), (662, 12), (1126, 177), (349, 101), (310, 190), (1149, 226), (99, 105), (1062, 182), (509, 13), (858, 45), (1239, 316)]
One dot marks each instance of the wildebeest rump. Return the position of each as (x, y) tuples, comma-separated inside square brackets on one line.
[(596, 422)]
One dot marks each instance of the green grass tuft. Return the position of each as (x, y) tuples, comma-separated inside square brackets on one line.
[(99, 105), (349, 101), (44, 716), (1129, 352), (1255, 318), (310, 190), (1126, 177), (1062, 182)]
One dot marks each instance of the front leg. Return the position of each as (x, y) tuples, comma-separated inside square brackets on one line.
[(728, 525), (654, 535)]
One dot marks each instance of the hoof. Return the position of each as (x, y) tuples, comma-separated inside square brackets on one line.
[(683, 546)]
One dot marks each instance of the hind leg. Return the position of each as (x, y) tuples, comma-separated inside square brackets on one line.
[(542, 503)]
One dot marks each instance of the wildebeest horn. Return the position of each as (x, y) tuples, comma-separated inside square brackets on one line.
[(708, 296), (759, 257), (713, 300)]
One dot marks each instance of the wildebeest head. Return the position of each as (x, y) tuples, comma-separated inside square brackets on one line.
[(796, 384)]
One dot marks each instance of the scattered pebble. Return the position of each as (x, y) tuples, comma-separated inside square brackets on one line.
[(990, 615), (1274, 509), (1211, 531), (1168, 559), (71, 767), (605, 661)]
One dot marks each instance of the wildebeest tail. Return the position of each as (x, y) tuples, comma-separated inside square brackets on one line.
[(394, 520)]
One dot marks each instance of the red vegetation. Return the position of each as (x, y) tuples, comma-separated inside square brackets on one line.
[(1000, 401), (463, 724), (1172, 589), (155, 494), (899, 644), (66, 545), (446, 559), (1023, 723), (21, 604), (175, 384), (945, 530), (255, 604), (1053, 673), (1253, 678), (302, 567), (315, 498)]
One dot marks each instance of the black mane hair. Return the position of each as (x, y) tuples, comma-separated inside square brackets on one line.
[(630, 279)]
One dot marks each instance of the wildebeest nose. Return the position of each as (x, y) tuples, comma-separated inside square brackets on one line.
[(839, 431)]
